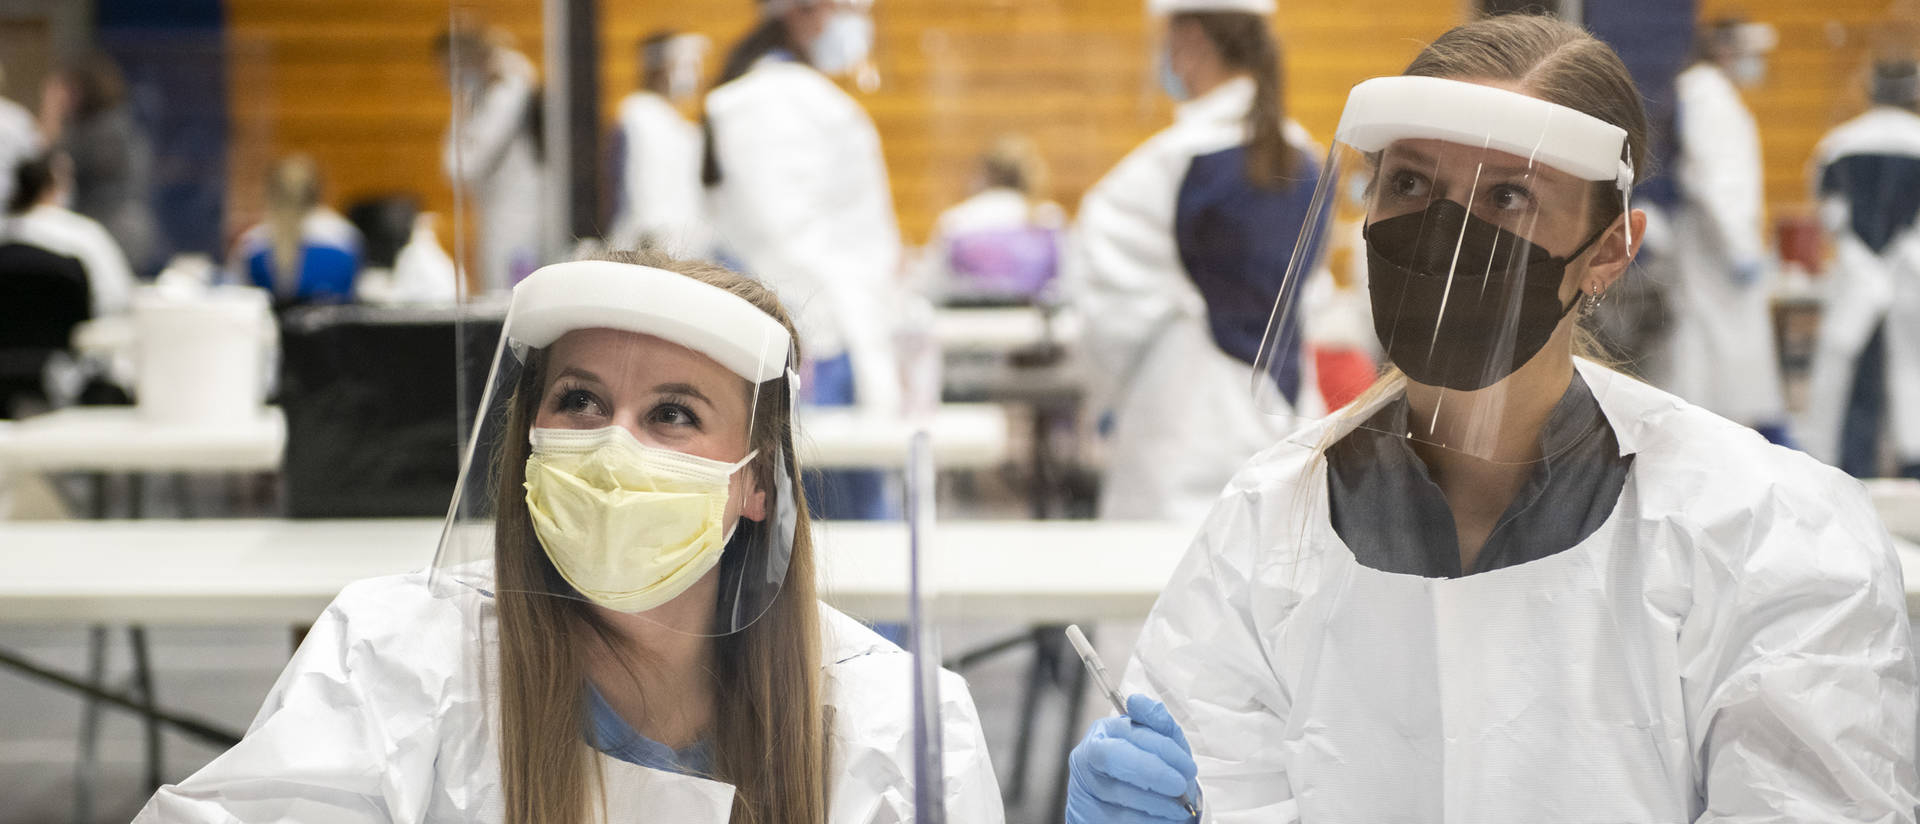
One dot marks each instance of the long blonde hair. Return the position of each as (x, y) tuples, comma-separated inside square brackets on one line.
[(768, 735), (293, 189)]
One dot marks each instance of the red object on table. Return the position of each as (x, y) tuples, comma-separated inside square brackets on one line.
[(1799, 240), (1344, 374)]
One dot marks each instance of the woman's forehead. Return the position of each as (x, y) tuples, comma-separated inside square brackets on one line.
[(620, 357)]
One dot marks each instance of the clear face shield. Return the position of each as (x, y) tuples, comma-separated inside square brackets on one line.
[(1488, 216), (620, 458)]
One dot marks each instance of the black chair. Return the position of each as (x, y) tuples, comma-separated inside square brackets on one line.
[(372, 405), (42, 297), (385, 223)]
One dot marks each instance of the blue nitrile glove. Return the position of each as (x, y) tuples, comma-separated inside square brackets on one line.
[(1132, 770)]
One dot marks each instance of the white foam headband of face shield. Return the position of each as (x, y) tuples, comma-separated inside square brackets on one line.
[(1387, 109), (593, 294), (1161, 8)]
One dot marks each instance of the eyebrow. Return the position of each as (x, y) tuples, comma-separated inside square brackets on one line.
[(577, 372), (1410, 154), (1420, 158), (686, 389)]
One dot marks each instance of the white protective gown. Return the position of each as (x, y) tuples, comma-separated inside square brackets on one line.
[(1184, 417), (19, 141), (1731, 645), (379, 718), (1865, 288), (492, 155), (66, 232), (803, 204), (1723, 355), (662, 199)]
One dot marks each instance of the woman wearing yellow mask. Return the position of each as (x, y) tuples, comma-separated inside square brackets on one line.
[(620, 621)]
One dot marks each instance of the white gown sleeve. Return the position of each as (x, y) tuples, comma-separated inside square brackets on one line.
[(1200, 653), (872, 748), (346, 735), (972, 791), (1799, 677), (873, 753)]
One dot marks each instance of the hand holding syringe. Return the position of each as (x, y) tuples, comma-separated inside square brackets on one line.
[(1105, 685)]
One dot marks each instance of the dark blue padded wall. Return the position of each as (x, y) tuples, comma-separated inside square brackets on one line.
[(174, 55), (1654, 38)]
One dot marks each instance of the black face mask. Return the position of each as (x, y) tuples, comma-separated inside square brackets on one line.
[(1502, 307)]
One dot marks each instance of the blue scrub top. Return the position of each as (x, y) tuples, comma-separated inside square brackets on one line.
[(326, 274), (1235, 240), (1883, 191), (610, 734)]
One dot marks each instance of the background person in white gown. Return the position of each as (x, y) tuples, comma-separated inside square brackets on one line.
[(492, 150), (1722, 349), (1866, 374), (659, 199), (1177, 256)]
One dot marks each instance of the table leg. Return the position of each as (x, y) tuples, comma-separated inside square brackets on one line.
[(964, 660), (183, 490), (1029, 708), (275, 493), (143, 686), (1042, 465), (195, 727), (88, 762), (99, 501)]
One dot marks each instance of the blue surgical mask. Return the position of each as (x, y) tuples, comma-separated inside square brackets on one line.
[(843, 44), (1170, 82), (1748, 70)]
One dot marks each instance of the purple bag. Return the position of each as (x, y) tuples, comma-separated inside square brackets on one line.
[(1019, 261)]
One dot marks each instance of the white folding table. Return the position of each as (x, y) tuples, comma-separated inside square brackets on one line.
[(243, 571), (235, 571), (1002, 329), (963, 435), (119, 439), (224, 572)]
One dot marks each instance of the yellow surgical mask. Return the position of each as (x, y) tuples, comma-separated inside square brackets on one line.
[(628, 525)]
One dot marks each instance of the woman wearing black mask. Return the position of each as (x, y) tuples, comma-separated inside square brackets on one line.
[(1510, 584)]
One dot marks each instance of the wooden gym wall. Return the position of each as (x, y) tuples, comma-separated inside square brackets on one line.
[(352, 82)]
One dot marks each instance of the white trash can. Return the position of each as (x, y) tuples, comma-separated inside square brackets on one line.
[(202, 357)]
